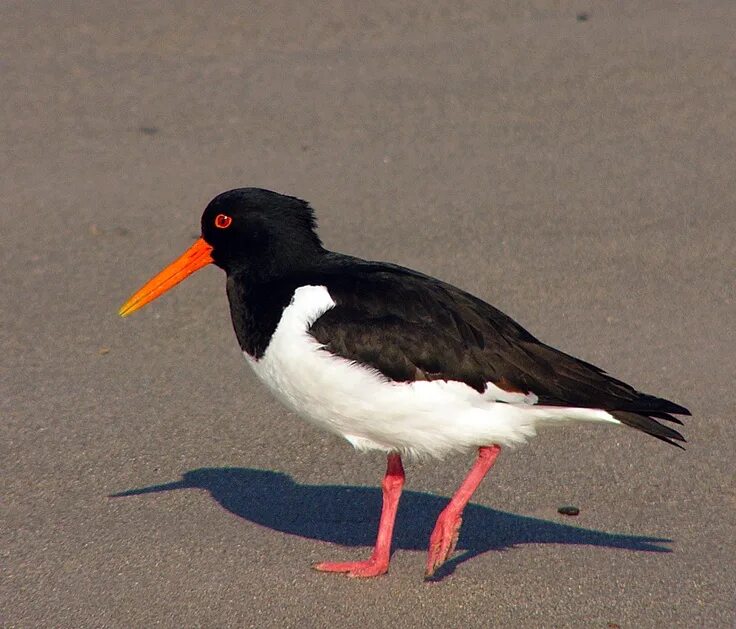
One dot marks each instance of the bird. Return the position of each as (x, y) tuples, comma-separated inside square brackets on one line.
[(392, 359)]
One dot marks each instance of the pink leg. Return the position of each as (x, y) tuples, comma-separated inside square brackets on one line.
[(446, 530), (378, 562)]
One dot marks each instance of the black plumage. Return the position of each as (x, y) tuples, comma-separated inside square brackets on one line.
[(411, 327), (405, 324), (432, 330)]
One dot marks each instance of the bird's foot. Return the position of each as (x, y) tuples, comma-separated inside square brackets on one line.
[(442, 541), (360, 569)]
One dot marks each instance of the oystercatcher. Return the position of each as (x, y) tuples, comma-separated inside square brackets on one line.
[(389, 358)]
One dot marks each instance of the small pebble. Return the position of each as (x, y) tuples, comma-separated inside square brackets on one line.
[(568, 510), (104, 350)]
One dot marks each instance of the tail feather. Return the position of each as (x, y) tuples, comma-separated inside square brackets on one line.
[(666, 417), (647, 423), (659, 405)]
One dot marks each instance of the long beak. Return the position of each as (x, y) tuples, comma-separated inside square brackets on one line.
[(194, 258)]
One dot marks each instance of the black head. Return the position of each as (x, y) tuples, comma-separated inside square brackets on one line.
[(260, 232), (251, 233)]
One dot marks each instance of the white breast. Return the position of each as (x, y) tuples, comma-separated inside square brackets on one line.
[(372, 412)]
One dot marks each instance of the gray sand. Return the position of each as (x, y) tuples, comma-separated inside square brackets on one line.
[(586, 164)]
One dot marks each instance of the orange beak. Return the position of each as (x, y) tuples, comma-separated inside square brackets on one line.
[(194, 258)]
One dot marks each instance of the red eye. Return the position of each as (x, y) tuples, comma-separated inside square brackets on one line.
[(223, 221)]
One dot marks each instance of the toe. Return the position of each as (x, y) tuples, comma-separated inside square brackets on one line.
[(357, 569)]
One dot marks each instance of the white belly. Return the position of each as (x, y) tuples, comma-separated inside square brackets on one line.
[(372, 412)]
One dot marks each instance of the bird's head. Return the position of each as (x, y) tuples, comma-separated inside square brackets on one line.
[(246, 230)]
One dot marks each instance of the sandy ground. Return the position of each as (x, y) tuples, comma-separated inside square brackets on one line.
[(570, 162)]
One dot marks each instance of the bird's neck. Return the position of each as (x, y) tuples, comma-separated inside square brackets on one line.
[(256, 306)]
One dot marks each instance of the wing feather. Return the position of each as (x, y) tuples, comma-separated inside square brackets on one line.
[(409, 326)]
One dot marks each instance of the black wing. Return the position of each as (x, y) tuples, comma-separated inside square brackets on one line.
[(430, 330)]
